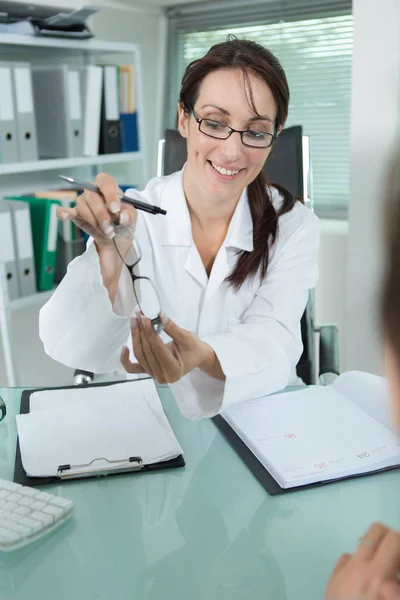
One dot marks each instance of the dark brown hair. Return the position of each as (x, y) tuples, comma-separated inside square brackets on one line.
[(390, 306), (249, 57)]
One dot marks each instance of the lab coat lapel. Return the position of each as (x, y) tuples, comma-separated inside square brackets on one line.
[(195, 267), (239, 237), (220, 270), (177, 227)]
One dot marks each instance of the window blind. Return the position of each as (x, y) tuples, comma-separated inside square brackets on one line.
[(314, 43)]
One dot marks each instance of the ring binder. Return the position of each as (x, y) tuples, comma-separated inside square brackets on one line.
[(69, 472)]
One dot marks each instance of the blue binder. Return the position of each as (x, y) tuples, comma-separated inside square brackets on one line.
[(129, 132)]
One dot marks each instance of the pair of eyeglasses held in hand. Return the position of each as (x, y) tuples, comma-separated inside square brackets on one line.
[(146, 295)]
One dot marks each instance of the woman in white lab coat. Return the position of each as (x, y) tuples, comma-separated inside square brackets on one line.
[(232, 261)]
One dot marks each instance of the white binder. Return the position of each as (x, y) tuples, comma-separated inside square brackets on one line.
[(8, 124), (25, 263), (25, 112), (76, 110), (7, 251), (92, 77), (58, 105)]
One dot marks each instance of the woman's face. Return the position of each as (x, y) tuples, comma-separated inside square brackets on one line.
[(223, 98)]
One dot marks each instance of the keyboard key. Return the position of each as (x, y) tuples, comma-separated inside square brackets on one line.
[(38, 505), (52, 510), (27, 491), (25, 501), (10, 485), (44, 497), (62, 502), (34, 526), (14, 498), (8, 537), (15, 527), (22, 510), (39, 516)]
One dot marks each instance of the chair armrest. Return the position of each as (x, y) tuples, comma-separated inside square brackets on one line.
[(328, 351), (82, 377)]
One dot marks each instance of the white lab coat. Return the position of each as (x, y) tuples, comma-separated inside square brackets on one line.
[(255, 332)]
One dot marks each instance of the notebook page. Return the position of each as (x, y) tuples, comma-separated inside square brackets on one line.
[(369, 392), (79, 434), (138, 391), (312, 435)]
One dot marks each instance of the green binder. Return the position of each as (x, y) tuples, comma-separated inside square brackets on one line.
[(44, 226)]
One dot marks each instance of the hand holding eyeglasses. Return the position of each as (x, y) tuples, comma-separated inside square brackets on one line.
[(166, 363)]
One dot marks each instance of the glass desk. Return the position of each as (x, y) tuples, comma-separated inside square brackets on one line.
[(206, 532)]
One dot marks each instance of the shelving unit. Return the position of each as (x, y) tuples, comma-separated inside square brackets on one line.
[(66, 163), (37, 49)]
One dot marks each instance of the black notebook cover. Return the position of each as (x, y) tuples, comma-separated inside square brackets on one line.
[(19, 473), (264, 476)]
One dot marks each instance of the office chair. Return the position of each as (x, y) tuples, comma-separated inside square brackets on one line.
[(288, 165)]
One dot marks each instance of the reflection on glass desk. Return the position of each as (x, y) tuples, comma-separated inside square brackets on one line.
[(206, 532)]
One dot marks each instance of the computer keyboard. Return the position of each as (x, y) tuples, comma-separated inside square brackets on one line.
[(26, 514)]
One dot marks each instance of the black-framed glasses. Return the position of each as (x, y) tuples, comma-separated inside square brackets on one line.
[(146, 295), (221, 131)]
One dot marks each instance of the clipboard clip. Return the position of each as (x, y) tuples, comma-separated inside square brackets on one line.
[(133, 463)]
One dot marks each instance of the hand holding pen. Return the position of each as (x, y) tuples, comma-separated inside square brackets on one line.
[(103, 211)]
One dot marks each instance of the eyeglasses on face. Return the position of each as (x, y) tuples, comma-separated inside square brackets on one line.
[(221, 131)]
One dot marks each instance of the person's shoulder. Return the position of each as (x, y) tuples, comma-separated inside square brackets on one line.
[(300, 215), (300, 220)]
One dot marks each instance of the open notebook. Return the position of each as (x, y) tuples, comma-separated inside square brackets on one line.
[(321, 433), (95, 430)]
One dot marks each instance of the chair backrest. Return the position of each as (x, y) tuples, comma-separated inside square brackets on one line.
[(287, 165), (174, 155)]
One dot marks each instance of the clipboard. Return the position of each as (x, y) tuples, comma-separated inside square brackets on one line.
[(131, 464), (263, 475)]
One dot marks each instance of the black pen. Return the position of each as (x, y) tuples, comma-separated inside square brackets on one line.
[(151, 208)]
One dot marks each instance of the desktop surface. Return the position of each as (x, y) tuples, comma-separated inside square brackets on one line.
[(208, 531)]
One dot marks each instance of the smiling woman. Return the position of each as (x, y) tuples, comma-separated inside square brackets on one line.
[(232, 261)]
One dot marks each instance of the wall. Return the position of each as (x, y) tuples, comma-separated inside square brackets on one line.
[(330, 293), (375, 120)]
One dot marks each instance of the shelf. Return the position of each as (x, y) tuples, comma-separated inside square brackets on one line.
[(66, 163), (92, 45), (38, 298)]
